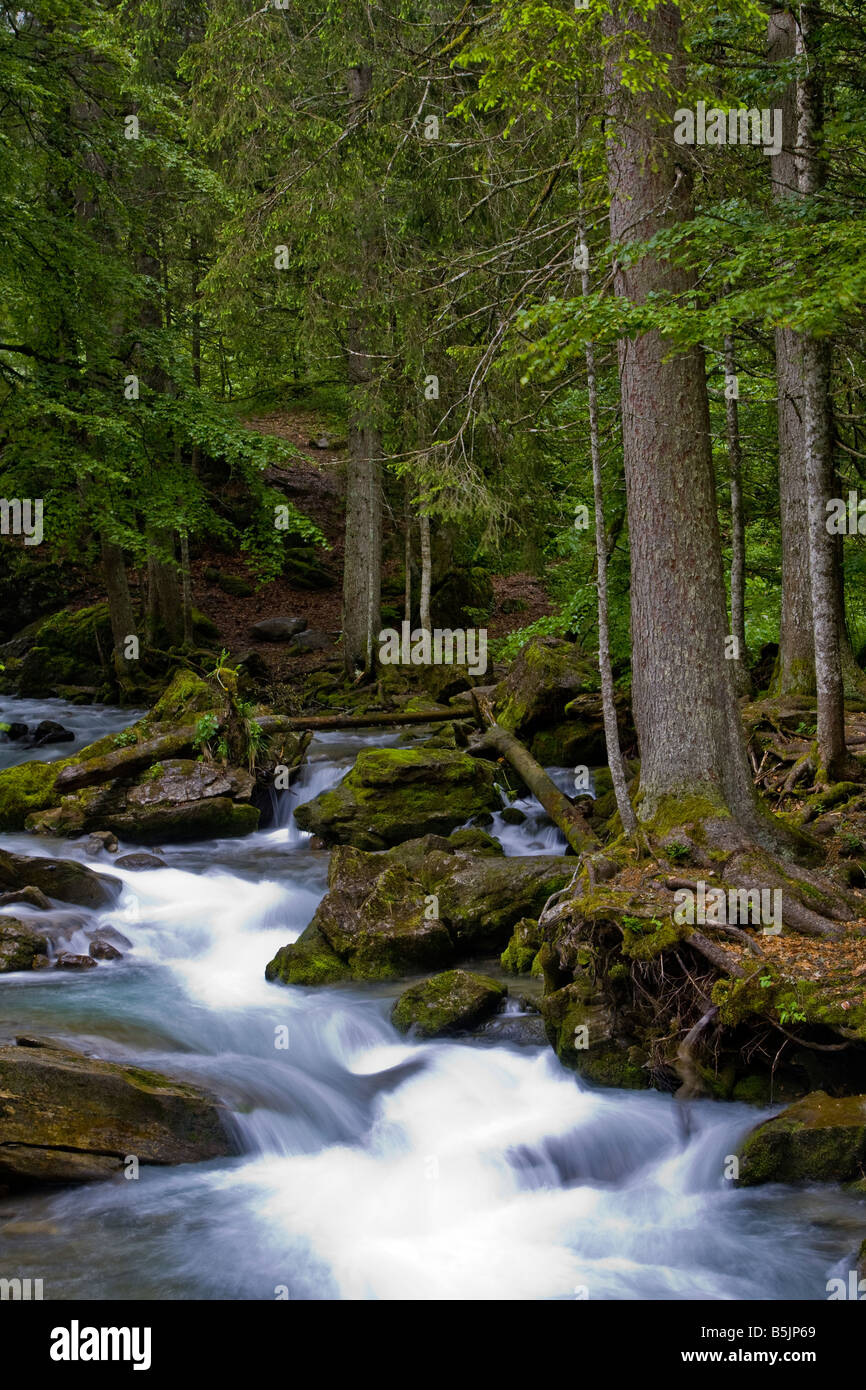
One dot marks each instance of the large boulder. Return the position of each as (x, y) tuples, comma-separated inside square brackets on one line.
[(416, 907), (820, 1138), (65, 1117), (546, 676), (394, 794), (452, 1002), (179, 799), (63, 879), (19, 945)]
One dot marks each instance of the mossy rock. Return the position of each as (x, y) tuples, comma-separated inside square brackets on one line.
[(820, 1138), (452, 1002), (581, 1028), (64, 879), (414, 908), (71, 648), (26, 789), (308, 961), (19, 945), (546, 676), (472, 837), (185, 696), (69, 1118), (395, 794), (523, 948)]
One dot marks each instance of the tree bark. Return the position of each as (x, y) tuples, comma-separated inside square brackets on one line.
[(426, 570), (362, 562), (407, 552), (826, 610), (608, 704), (738, 527), (119, 608), (685, 707), (795, 674)]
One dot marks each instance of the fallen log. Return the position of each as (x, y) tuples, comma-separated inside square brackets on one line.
[(126, 762), (557, 805), (280, 724)]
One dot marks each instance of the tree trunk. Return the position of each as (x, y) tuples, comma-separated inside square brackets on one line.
[(823, 564), (407, 552), (795, 674), (686, 714), (362, 561), (608, 704), (164, 600), (119, 608), (426, 570), (738, 528)]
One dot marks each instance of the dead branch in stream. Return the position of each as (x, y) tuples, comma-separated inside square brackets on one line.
[(557, 805)]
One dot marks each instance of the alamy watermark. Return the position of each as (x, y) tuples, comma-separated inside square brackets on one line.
[(739, 126), (22, 516), (736, 906), (421, 647)]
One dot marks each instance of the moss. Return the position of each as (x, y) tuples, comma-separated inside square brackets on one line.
[(522, 950), (450, 1002), (308, 961), (752, 1090), (818, 1139), (71, 648), (673, 811), (25, 790), (186, 694), (644, 939)]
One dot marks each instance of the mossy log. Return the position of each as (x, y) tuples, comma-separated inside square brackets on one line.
[(557, 805)]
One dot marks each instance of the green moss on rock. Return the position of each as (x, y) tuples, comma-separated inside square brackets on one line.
[(451, 1002)]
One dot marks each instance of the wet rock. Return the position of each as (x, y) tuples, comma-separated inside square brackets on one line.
[(178, 799), (19, 945), (394, 794), (68, 960), (49, 731), (69, 1118), (140, 861), (526, 941), (820, 1138), (63, 879), (100, 949), (452, 1002), (41, 962), (33, 897), (415, 907), (16, 732), (277, 629), (512, 815), (584, 1032), (101, 839), (110, 935)]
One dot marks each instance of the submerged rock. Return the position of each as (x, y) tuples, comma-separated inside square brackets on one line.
[(140, 861), (393, 794), (452, 1002), (66, 1118), (820, 1138), (19, 945), (68, 960), (33, 897), (417, 906)]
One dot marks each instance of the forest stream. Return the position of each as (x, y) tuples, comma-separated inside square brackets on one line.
[(373, 1167)]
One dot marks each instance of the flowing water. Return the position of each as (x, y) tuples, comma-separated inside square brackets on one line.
[(373, 1167)]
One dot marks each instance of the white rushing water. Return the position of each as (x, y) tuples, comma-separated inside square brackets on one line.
[(373, 1167)]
